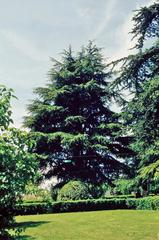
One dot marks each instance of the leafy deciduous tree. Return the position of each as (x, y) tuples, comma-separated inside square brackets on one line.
[(17, 166)]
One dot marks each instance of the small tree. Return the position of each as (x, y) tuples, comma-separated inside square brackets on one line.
[(16, 164), (78, 135)]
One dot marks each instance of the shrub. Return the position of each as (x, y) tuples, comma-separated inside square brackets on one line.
[(147, 203), (98, 191), (55, 190), (154, 186), (124, 187), (74, 190), (33, 193), (95, 191)]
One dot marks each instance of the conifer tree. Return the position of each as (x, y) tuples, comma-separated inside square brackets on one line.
[(137, 69), (140, 75), (78, 135)]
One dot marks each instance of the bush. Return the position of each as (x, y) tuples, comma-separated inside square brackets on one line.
[(74, 190), (95, 191), (147, 203), (98, 191), (124, 187), (33, 193), (154, 186)]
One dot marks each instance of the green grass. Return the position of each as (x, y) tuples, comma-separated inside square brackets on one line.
[(101, 225)]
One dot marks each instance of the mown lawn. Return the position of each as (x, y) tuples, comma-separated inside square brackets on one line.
[(101, 225)]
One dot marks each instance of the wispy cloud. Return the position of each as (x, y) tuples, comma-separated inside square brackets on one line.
[(48, 28), (108, 15), (122, 34), (24, 45)]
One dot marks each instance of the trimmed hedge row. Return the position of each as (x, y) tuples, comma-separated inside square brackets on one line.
[(120, 196), (105, 198), (70, 206), (149, 203), (32, 208)]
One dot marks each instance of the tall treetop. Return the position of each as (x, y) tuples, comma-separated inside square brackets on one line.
[(72, 118)]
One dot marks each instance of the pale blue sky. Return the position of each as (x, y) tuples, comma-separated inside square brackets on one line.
[(32, 31)]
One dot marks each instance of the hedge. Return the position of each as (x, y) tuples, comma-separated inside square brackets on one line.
[(70, 206), (147, 203), (32, 208), (120, 196)]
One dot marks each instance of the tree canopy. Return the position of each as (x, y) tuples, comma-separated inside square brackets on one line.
[(139, 75), (136, 69), (78, 135), (146, 24), (17, 165)]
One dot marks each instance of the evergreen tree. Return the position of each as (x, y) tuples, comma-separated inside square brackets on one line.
[(139, 74), (142, 116), (78, 135), (146, 24), (137, 69)]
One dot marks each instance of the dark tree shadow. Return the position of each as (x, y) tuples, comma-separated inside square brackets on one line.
[(29, 224), (24, 237)]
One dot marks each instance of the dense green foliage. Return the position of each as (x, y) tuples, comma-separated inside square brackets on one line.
[(16, 164), (139, 74), (34, 193), (74, 190), (98, 190), (77, 134), (143, 118), (121, 202), (154, 186), (147, 203), (124, 186), (71, 206)]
